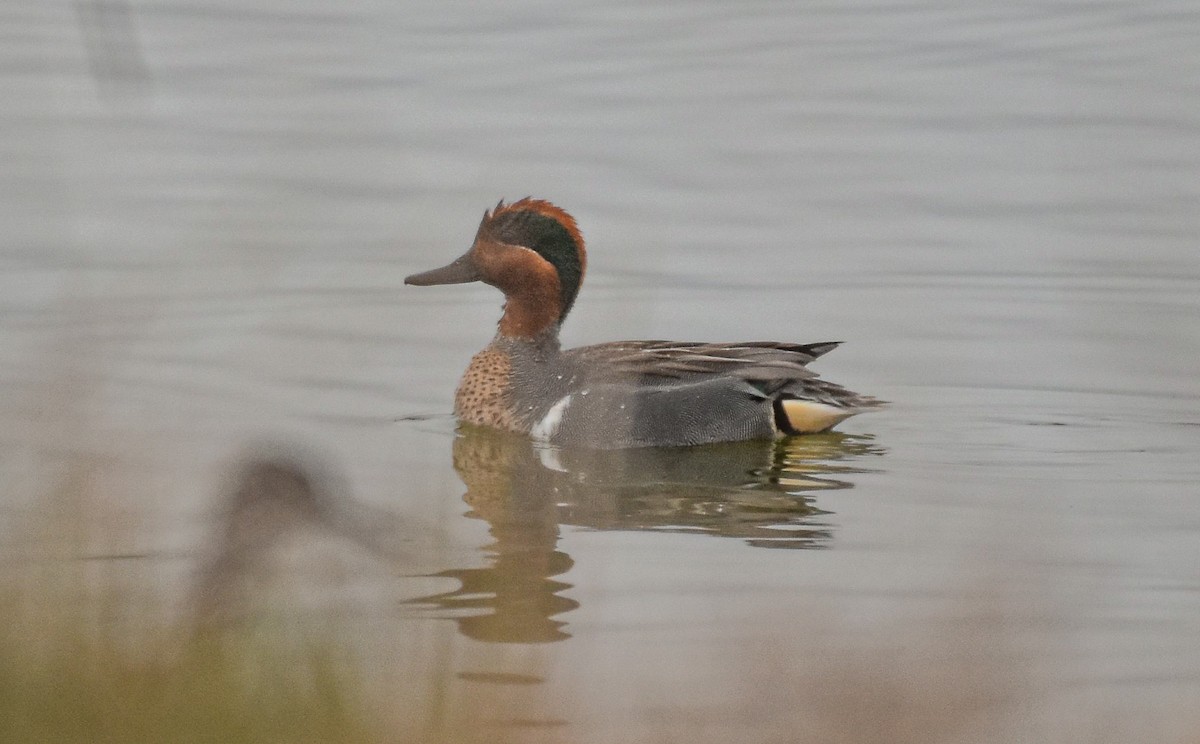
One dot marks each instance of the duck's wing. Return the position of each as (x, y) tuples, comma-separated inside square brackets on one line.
[(668, 362)]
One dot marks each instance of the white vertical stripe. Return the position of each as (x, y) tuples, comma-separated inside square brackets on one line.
[(548, 426)]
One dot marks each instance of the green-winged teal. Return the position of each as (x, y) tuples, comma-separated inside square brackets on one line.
[(626, 393)]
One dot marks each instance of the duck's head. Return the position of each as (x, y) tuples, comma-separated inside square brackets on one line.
[(533, 252)]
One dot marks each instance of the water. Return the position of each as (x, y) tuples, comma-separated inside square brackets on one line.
[(209, 210)]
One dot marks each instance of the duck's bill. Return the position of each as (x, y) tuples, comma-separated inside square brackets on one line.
[(460, 271)]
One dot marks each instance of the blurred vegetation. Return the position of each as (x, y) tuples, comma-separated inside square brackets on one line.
[(88, 655), (74, 683), (71, 671)]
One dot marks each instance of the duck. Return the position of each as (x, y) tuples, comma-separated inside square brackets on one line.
[(621, 394)]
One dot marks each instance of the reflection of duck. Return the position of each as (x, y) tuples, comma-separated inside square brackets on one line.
[(513, 493), (623, 394), (759, 490)]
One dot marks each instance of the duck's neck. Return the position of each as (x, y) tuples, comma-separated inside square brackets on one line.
[(531, 316), (541, 346)]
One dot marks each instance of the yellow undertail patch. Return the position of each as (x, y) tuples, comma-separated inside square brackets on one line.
[(807, 417)]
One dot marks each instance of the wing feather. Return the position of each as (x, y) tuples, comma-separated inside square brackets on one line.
[(674, 361)]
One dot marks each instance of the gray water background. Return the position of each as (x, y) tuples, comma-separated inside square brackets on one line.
[(208, 210)]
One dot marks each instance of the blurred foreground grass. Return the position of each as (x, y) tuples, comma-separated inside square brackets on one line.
[(66, 682), (85, 657)]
